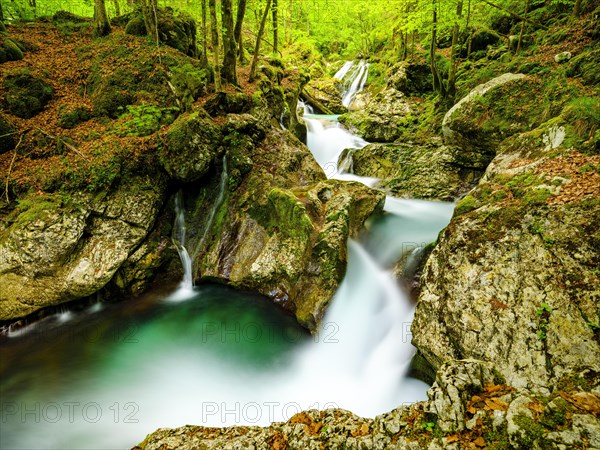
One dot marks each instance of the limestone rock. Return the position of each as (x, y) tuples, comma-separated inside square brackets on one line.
[(410, 78), (562, 57), (282, 229), (327, 92), (56, 252), (493, 100), (385, 118), (418, 171), (513, 277)]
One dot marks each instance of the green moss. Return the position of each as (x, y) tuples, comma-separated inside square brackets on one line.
[(70, 118), (536, 197), (9, 50), (25, 95), (466, 205), (143, 120), (532, 430)]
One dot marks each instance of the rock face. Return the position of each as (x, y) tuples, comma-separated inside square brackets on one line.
[(410, 78), (327, 93), (281, 228), (514, 277), (469, 404), (431, 171), (56, 250), (385, 117)]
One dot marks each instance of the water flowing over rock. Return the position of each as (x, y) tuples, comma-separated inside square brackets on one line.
[(326, 92), (57, 250), (283, 228)]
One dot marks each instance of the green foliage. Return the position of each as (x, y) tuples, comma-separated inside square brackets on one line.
[(189, 83), (143, 120), (543, 312), (428, 426)]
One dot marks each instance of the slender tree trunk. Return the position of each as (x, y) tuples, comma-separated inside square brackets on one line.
[(204, 57), (117, 8), (229, 45), (2, 28), (437, 82), (241, 11), (577, 9), (214, 33), (101, 23), (261, 30), (520, 42), (275, 26), (451, 92), (150, 18)]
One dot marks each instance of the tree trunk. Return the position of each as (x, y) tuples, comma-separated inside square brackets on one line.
[(241, 11), (150, 19), (214, 33), (520, 42), (101, 24), (204, 57), (275, 27), (451, 92), (438, 86), (117, 8), (229, 45), (2, 28), (577, 8), (261, 30)]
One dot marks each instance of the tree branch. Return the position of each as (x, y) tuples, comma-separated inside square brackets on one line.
[(515, 15)]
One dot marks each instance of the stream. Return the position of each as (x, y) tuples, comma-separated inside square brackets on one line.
[(208, 355)]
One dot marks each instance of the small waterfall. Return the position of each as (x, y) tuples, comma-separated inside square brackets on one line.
[(186, 287), (213, 210)]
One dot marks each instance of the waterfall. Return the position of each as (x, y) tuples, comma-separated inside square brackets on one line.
[(186, 287), (213, 210), (353, 76)]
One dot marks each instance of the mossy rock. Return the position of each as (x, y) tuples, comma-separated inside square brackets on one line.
[(70, 118), (9, 50), (25, 95), (223, 103), (66, 16), (585, 66), (410, 78), (7, 140), (482, 39), (175, 29)]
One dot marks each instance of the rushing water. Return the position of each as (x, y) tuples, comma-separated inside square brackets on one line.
[(353, 76), (106, 376)]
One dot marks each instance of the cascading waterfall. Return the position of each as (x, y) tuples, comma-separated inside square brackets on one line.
[(353, 77)]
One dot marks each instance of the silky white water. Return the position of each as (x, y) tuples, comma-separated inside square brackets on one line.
[(108, 376)]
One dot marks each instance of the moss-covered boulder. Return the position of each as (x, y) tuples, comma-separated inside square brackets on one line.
[(71, 117), (325, 94), (388, 116), (492, 112), (585, 66), (9, 50), (513, 278), (56, 249), (416, 171), (190, 145), (176, 29), (410, 78), (279, 227), (25, 95), (7, 137)]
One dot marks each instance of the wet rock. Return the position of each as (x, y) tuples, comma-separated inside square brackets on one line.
[(282, 229), (25, 95)]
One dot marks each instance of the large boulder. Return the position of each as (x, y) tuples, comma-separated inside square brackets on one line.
[(55, 249), (326, 94), (490, 113), (513, 278), (25, 95), (410, 78), (430, 171), (279, 228), (9, 50), (387, 117)]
